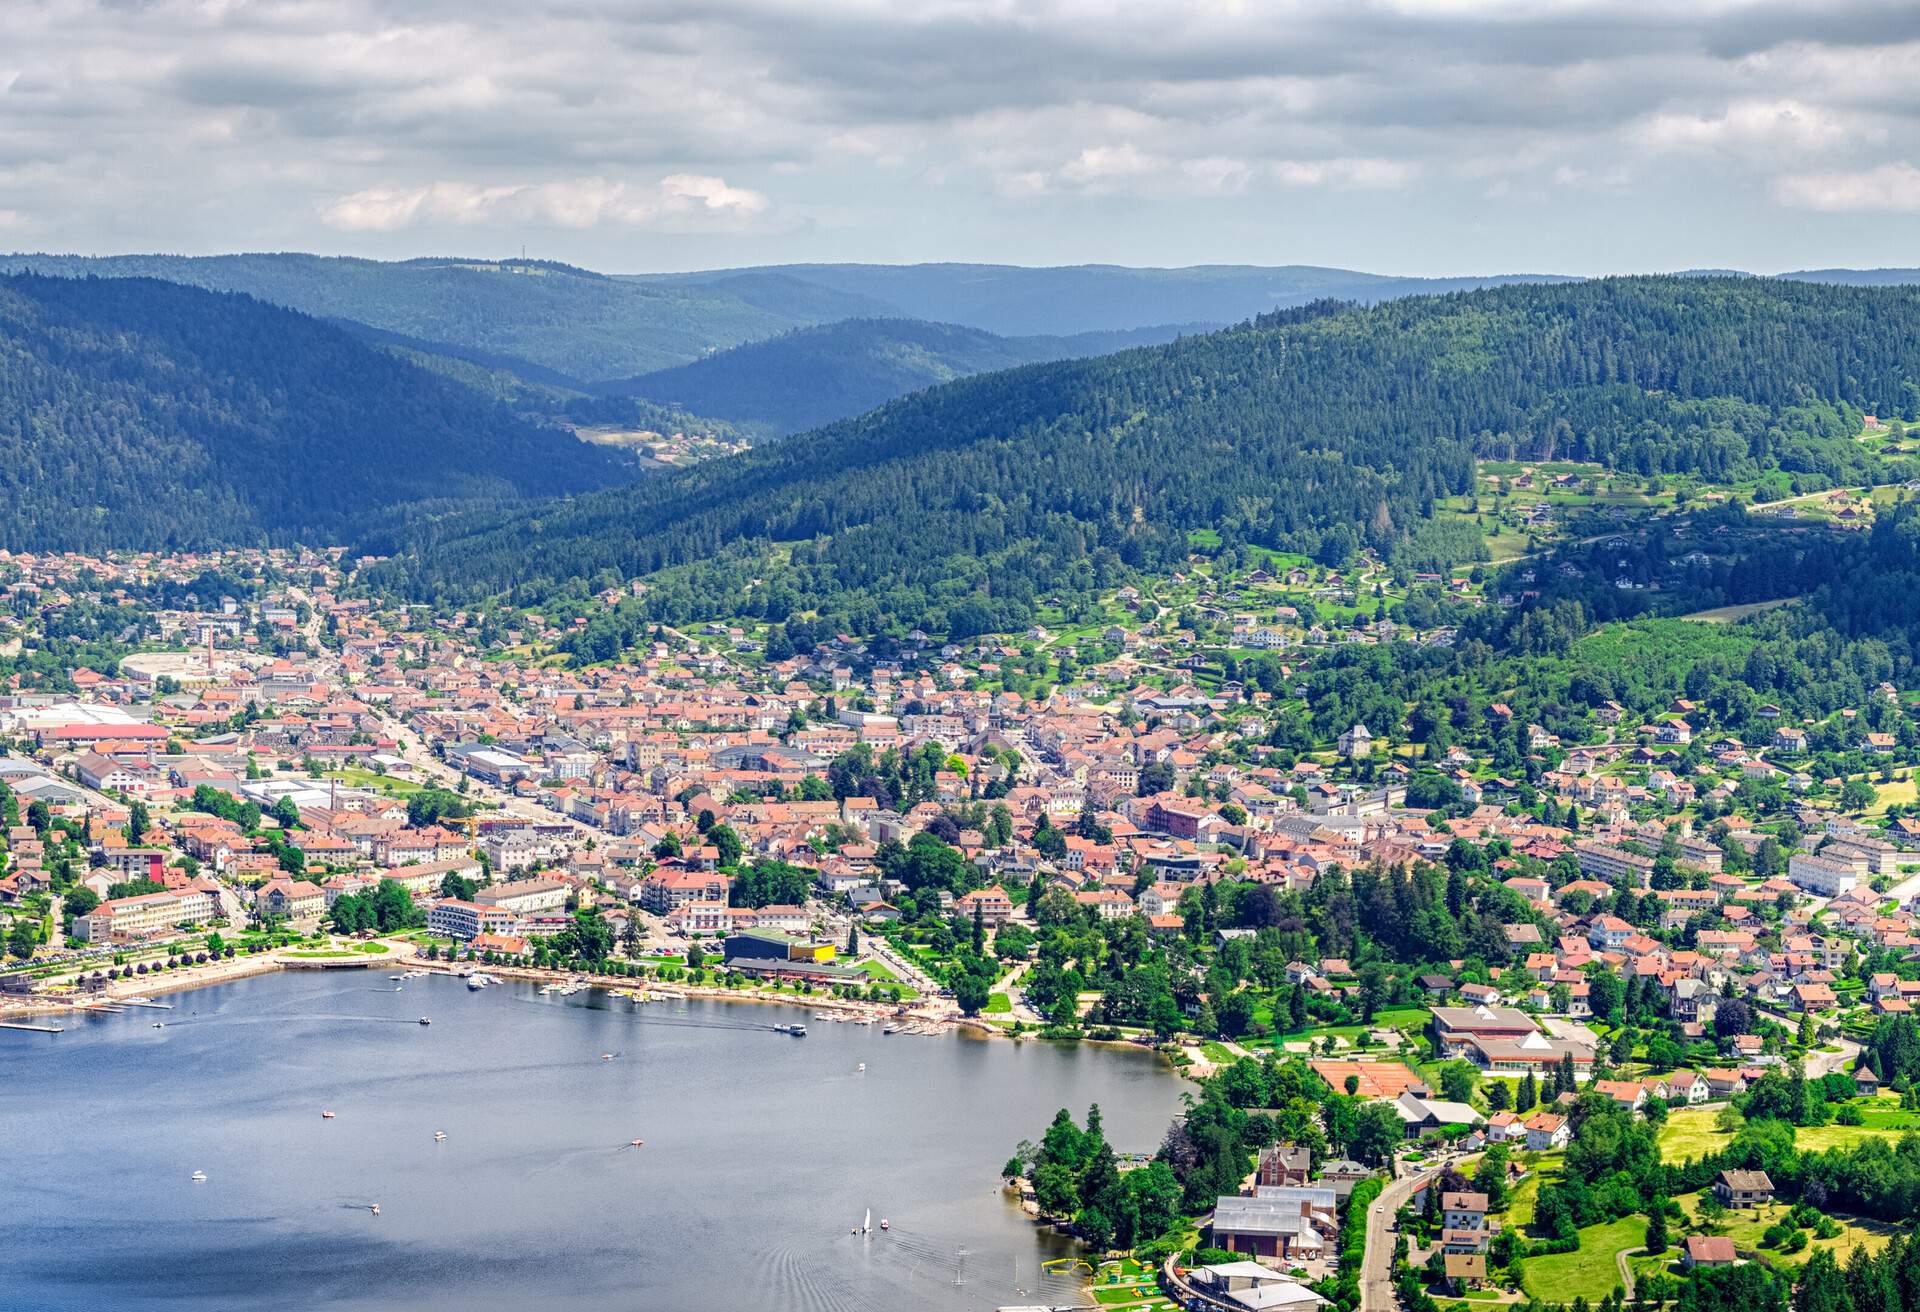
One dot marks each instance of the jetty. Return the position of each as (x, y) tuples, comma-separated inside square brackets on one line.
[(29, 1025)]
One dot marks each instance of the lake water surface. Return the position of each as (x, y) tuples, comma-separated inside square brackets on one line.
[(761, 1152)]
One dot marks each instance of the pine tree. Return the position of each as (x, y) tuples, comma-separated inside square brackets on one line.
[(1529, 1093), (1657, 1241)]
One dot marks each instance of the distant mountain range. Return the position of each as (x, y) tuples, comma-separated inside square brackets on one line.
[(564, 320), (813, 376), (1013, 300), (141, 413)]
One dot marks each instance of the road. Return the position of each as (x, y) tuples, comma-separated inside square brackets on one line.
[(1376, 1268)]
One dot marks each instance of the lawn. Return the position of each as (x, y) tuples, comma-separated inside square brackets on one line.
[(998, 1004), (379, 783), (1746, 1226), (1689, 1134), (1588, 1271)]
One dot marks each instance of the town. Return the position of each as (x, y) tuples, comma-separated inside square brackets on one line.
[(1451, 982)]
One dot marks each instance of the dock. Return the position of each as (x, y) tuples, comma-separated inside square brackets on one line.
[(29, 1025), (144, 1002)]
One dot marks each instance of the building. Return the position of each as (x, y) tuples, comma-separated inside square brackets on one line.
[(1291, 1224), (1708, 1250), (1603, 861), (1466, 1271), (1821, 876), (671, 887), (761, 945), (147, 914), (295, 899), (525, 896), (995, 908), (466, 921), (1464, 1210), (1743, 1188), (1283, 1164)]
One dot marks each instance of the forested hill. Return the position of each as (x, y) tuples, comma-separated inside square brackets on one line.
[(955, 508), (136, 413), (582, 324), (813, 376)]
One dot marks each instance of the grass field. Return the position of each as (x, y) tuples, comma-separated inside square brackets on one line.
[(1690, 1135), (1589, 1271), (1729, 614), (998, 1004), (1745, 1228)]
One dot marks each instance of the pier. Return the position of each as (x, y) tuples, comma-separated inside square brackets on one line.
[(29, 1025)]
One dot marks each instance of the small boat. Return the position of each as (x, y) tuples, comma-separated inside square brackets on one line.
[(198, 1177), (374, 1208), (326, 1116), (637, 1143), (159, 1024), (883, 1223), (439, 1136), (861, 1067), (396, 977), (866, 1225), (798, 1031), (426, 1020), (606, 1056), (890, 1029)]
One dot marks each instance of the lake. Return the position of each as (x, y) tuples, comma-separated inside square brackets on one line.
[(762, 1151)]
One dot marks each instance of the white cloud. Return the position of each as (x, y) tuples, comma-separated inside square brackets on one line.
[(1888, 189), (1773, 127), (937, 130), (1365, 174), (573, 203)]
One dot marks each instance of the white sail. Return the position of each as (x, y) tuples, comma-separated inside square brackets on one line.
[(866, 1226)]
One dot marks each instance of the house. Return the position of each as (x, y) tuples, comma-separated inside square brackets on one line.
[(1743, 1188), (992, 905), (1707, 1250), (1464, 1210), (1356, 743), (1466, 1271), (1283, 1164), (1547, 1131)]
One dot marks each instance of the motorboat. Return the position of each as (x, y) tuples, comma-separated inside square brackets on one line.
[(374, 1208), (637, 1143), (199, 1177), (439, 1136), (326, 1116), (883, 1223), (606, 1056), (861, 1067), (798, 1031), (426, 1020)]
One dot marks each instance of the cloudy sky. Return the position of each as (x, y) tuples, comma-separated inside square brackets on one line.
[(1408, 136)]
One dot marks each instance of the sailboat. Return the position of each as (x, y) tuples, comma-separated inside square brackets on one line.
[(866, 1226)]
